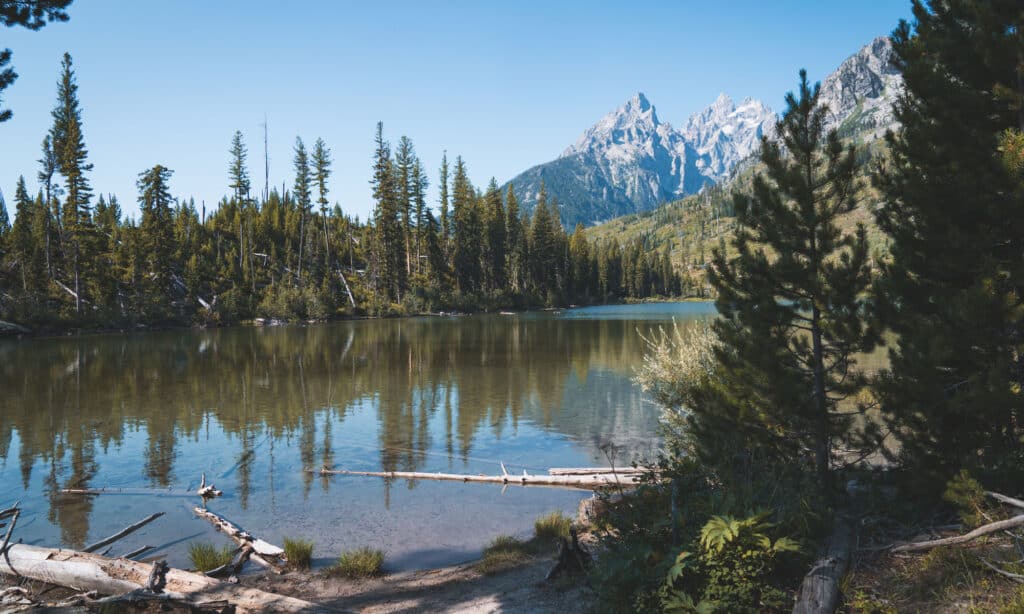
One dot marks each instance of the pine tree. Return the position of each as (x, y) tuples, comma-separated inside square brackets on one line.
[(544, 254), (952, 210), (69, 150), (303, 197), (390, 238), (405, 156), (792, 302), (238, 172), (467, 231), (420, 182), (156, 236), (321, 172), (443, 186), (494, 216), (515, 238)]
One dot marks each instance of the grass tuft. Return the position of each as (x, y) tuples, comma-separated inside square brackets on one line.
[(362, 562), (205, 556), (551, 526), (299, 553), (503, 552)]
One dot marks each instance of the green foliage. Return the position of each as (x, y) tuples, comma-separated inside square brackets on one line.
[(299, 552), (951, 291), (551, 526), (205, 556), (732, 571), (968, 496), (362, 562)]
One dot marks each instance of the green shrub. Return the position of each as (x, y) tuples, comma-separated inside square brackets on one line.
[(205, 556), (362, 562), (732, 570), (503, 552), (551, 526), (968, 496), (299, 552)]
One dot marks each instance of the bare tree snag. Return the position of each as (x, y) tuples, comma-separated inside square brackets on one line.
[(207, 491), (122, 533), (992, 527)]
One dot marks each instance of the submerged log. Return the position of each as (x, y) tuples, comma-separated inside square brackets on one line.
[(118, 576), (592, 481), (122, 533), (156, 492), (264, 553)]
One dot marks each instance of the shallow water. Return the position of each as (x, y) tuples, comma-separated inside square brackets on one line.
[(254, 407)]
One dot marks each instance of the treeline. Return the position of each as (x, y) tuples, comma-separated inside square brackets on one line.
[(68, 260)]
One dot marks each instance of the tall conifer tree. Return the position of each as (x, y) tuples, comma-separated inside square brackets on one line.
[(793, 312), (952, 208)]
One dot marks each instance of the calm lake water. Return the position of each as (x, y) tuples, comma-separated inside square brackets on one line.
[(254, 407)]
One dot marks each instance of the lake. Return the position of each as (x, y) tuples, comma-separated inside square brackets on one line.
[(253, 408)]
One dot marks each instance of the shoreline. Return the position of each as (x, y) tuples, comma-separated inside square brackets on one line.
[(12, 331)]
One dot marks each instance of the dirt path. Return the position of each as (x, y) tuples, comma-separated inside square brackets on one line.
[(460, 589)]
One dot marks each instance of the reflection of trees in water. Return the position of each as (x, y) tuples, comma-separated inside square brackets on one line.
[(65, 397)]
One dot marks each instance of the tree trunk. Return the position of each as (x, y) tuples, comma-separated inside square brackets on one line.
[(820, 592)]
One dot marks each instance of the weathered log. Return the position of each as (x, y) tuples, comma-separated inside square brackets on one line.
[(570, 481), (264, 553), (234, 566), (11, 516), (122, 533), (819, 592), (156, 492), (992, 527), (1005, 499), (118, 576), (596, 470)]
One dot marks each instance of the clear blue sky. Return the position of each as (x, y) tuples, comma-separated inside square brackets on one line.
[(506, 85)]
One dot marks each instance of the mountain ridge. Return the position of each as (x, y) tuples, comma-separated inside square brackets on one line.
[(631, 161)]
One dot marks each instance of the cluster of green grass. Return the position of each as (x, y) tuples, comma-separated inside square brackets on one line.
[(299, 553), (205, 556), (551, 526), (506, 551), (362, 562)]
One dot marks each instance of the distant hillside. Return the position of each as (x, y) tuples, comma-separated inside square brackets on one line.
[(631, 161)]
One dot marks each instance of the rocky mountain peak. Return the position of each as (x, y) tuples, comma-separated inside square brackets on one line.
[(860, 93)]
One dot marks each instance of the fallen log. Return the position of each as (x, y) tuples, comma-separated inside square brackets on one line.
[(820, 591), (264, 553), (591, 481), (992, 527), (593, 471), (122, 533), (125, 491), (85, 571), (1005, 499), (136, 552)]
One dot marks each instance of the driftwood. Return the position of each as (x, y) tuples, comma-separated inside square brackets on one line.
[(234, 566), (572, 558), (207, 491), (992, 527), (593, 471), (156, 492), (119, 576), (591, 481), (264, 553), (122, 533), (8, 517), (136, 552), (1007, 500), (820, 591)]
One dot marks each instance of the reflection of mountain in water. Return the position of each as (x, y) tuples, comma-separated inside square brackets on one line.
[(434, 384)]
